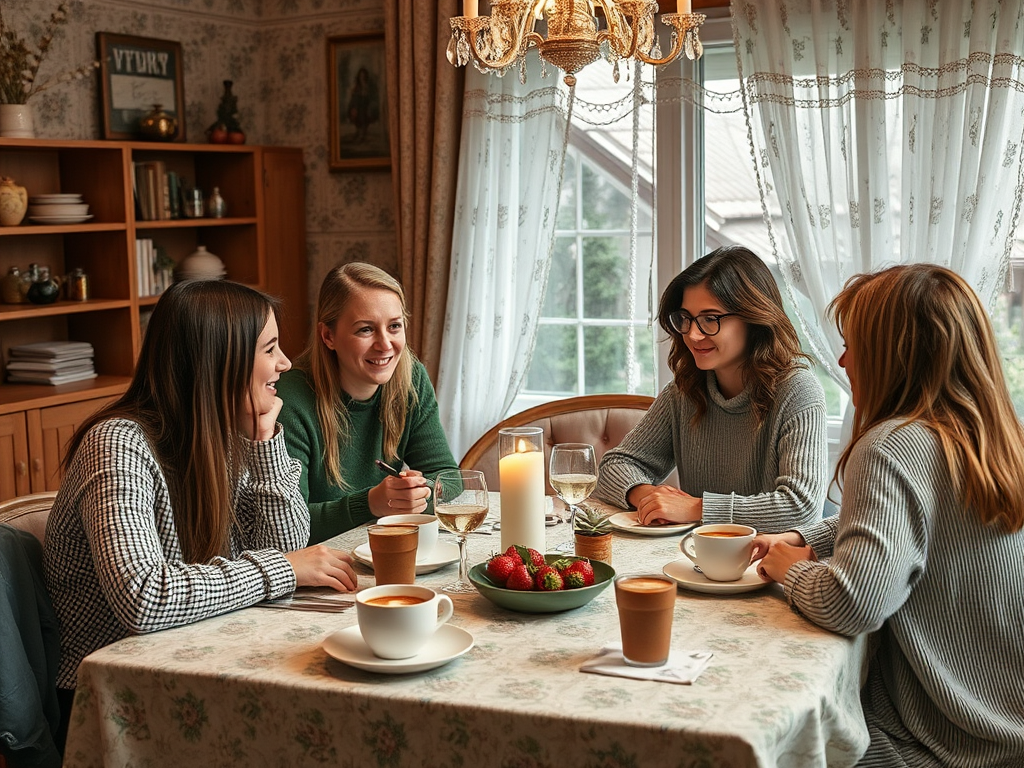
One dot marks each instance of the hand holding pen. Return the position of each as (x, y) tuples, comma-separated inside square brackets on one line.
[(399, 493)]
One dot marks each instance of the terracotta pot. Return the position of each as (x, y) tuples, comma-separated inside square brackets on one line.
[(16, 122), (595, 547)]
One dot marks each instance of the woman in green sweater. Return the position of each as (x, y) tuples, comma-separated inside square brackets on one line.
[(357, 394)]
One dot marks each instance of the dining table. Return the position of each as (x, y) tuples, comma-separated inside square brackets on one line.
[(256, 687)]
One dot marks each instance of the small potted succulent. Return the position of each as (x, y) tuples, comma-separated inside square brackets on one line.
[(593, 534)]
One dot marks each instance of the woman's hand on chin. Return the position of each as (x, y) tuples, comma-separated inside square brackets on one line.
[(406, 494), (263, 426), (662, 504), (321, 566)]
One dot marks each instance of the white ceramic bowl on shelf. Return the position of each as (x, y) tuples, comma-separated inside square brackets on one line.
[(64, 209)]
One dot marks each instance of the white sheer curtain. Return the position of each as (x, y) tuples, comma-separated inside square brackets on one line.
[(892, 133), (510, 167)]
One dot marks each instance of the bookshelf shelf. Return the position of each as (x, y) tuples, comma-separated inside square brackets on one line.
[(261, 245)]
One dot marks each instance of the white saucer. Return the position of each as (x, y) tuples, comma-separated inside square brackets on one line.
[(681, 571), (56, 198), (445, 553), (626, 521), (59, 219), (348, 646)]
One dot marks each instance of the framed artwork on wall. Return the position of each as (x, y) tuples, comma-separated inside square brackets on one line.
[(357, 103), (136, 75)]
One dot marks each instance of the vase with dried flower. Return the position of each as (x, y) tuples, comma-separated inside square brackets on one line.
[(19, 70)]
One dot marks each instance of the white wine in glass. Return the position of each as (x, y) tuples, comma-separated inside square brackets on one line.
[(461, 504), (572, 472)]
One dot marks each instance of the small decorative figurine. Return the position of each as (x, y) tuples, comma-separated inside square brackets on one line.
[(227, 129)]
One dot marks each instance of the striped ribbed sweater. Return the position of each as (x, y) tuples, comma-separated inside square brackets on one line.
[(772, 478), (946, 685)]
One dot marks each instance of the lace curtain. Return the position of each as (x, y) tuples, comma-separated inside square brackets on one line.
[(510, 168), (891, 131)]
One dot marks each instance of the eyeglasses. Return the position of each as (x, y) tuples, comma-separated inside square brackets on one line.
[(709, 325)]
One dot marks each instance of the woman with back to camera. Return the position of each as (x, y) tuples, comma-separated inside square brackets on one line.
[(927, 546), (357, 395), (743, 422), (179, 500)]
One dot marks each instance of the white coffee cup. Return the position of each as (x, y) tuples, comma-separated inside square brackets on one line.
[(722, 551), (398, 620), (428, 532)]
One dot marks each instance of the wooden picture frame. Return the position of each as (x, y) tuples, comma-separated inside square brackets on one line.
[(357, 103), (136, 74)]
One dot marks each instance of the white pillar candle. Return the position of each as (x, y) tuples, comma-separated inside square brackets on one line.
[(522, 498), (470, 8), (685, 6)]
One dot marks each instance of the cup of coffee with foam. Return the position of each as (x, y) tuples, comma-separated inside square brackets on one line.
[(722, 551), (645, 604), (398, 620), (427, 525)]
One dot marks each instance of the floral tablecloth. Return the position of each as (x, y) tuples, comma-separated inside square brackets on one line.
[(255, 688)]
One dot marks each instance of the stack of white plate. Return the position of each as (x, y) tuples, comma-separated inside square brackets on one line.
[(63, 208)]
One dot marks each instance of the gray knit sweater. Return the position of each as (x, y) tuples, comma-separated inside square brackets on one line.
[(772, 478), (946, 685)]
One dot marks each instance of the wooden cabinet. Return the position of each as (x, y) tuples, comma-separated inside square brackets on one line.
[(261, 242)]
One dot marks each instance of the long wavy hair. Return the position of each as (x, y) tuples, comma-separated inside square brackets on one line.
[(922, 349), (321, 364), (189, 392), (744, 285)]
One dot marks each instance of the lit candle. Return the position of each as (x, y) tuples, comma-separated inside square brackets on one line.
[(470, 8), (521, 473)]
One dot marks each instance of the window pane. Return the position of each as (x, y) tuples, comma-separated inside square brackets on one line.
[(560, 299), (605, 359), (556, 346), (567, 199), (604, 205), (606, 277)]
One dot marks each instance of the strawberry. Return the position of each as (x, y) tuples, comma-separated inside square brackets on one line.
[(549, 580), (531, 556), (513, 552), (499, 568), (573, 579), (520, 579), (584, 569)]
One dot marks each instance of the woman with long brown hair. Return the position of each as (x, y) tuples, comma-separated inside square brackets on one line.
[(179, 499), (927, 546), (358, 395), (744, 421)]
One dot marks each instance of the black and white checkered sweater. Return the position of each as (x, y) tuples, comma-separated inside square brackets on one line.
[(945, 686), (112, 559)]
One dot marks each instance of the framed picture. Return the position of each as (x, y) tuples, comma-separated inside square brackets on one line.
[(136, 74), (357, 103)]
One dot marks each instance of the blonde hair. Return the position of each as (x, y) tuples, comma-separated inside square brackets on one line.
[(923, 350), (321, 364)]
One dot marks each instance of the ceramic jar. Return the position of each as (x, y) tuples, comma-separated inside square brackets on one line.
[(16, 122), (13, 202), (10, 287), (45, 289), (157, 125), (201, 265)]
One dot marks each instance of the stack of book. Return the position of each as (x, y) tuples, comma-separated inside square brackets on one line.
[(51, 362), (157, 191)]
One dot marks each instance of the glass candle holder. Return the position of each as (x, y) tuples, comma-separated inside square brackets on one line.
[(521, 474)]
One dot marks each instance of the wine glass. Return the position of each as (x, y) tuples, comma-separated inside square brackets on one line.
[(460, 503), (572, 472)]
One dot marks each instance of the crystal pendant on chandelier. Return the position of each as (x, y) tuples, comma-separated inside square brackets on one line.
[(574, 35)]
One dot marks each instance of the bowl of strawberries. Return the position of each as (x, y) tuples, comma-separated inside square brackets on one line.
[(524, 580)]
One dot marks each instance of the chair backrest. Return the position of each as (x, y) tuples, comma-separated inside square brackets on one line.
[(29, 513), (601, 420)]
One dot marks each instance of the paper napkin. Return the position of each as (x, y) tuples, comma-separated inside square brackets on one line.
[(682, 668)]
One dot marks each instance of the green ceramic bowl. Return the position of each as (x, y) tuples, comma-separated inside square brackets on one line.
[(542, 602)]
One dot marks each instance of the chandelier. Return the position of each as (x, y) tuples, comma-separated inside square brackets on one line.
[(574, 35)]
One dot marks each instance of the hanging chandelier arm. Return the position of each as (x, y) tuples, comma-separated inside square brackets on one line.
[(521, 40), (619, 30), (684, 25)]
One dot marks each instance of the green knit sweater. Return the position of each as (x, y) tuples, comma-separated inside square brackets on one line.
[(334, 510)]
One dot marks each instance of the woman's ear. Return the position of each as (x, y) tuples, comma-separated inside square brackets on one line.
[(326, 335)]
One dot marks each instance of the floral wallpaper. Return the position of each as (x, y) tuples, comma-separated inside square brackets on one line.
[(275, 52)]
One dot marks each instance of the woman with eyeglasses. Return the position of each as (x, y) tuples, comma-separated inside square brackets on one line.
[(926, 550), (744, 421)]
